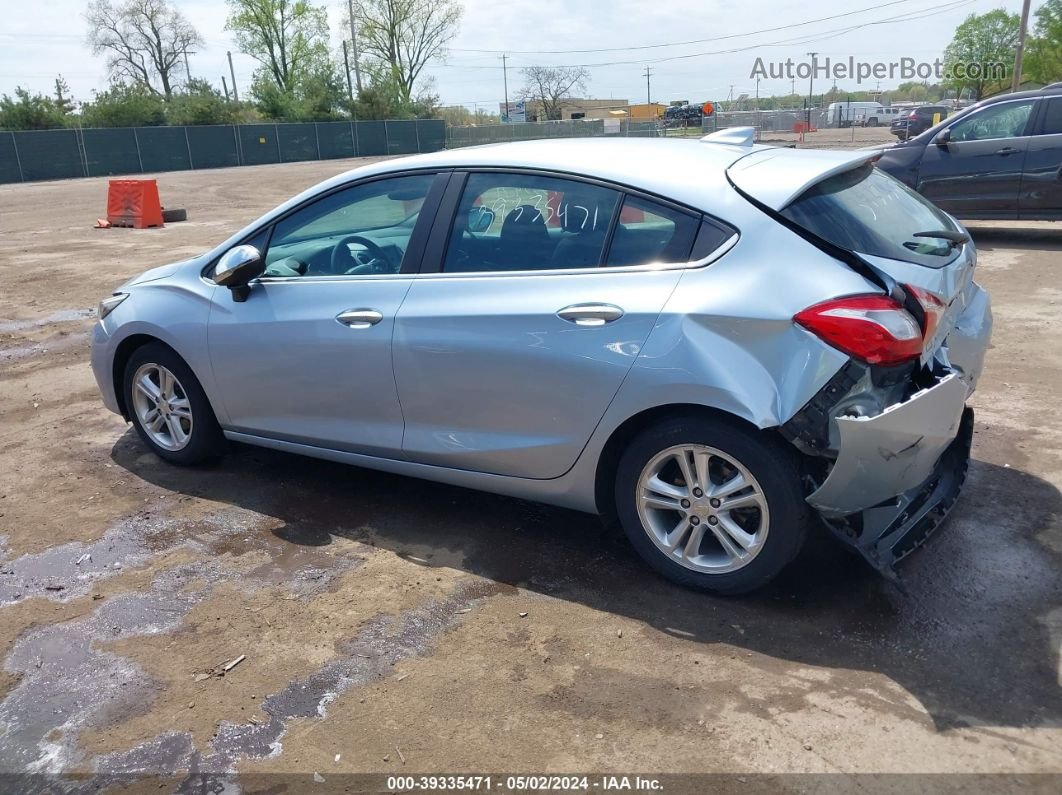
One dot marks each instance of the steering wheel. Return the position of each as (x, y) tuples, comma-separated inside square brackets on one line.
[(377, 263)]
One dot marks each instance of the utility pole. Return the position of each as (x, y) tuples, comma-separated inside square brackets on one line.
[(505, 83), (648, 97), (354, 45), (1020, 54), (811, 86), (232, 74), (346, 70), (225, 86), (757, 93), (811, 79), (187, 71)]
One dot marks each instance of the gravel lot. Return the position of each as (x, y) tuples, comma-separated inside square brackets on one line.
[(380, 620)]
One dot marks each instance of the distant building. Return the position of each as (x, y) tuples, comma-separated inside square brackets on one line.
[(574, 108), (647, 112)]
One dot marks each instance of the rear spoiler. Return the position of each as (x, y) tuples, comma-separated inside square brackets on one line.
[(775, 177)]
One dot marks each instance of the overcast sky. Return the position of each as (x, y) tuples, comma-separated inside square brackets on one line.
[(39, 40)]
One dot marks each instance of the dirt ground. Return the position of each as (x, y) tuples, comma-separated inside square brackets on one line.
[(389, 625)]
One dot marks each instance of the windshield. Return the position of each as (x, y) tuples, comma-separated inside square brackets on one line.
[(867, 211)]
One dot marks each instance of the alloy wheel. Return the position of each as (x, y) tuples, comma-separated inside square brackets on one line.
[(703, 508), (162, 406)]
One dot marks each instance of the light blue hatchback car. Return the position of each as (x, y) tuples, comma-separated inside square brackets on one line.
[(714, 342)]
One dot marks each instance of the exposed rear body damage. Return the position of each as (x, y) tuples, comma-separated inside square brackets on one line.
[(887, 448)]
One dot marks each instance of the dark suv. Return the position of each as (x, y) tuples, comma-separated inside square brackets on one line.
[(1000, 158), (920, 119)]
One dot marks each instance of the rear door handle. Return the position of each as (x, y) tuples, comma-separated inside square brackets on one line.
[(590, 314), (1007, 150), (359, 318)]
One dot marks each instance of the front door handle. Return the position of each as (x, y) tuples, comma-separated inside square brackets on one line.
[(590, 314), (359, 318), (1007, 150)]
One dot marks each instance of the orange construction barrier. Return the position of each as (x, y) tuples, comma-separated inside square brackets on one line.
[(133, 202)]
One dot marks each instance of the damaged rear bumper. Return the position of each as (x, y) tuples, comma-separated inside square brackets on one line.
[(889, 532), (897, 473), (893, 452)]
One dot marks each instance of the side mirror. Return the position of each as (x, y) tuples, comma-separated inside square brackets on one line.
[(236, 268), (943, 137)]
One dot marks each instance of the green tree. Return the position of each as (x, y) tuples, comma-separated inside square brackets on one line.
[(63, 101), (124, 106), (984, 40), (403, 36), (27, 111), (288, 37), (145, 41), (200, 103), (1043, 53)]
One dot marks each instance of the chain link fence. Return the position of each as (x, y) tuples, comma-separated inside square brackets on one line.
[(528, 131), (764, 120), (30, 156)]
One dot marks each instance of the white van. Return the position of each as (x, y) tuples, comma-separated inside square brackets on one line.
[(861, 114)]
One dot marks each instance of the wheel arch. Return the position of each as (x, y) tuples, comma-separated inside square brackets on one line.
[(122, 352), (621, 436)]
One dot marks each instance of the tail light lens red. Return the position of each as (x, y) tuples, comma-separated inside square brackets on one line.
[(932, 306), (873, 328)]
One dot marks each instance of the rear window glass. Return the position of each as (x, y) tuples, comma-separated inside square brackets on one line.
[(867, 211)]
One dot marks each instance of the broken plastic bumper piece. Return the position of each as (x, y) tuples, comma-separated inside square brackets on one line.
[(883, 456)]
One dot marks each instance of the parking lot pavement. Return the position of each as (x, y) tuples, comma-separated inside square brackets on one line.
[(387, 624)]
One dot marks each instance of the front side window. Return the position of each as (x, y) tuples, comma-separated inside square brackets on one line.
[(513, 222), (869, 212), (1006, 120), (361, 230)]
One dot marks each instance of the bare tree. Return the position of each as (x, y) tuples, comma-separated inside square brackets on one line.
[(552, 86), (145, 41), (288, 37), (404, 35)]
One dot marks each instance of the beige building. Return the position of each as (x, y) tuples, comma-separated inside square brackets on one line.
[(575, 108)]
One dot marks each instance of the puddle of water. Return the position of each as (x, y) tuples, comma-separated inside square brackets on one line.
[(67, 683), (62, 316), (369, 656), (70, 571)]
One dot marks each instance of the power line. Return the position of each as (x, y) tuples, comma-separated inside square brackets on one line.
[(804, 39), (691, 41)]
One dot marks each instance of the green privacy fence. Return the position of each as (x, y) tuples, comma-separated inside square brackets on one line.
[(63, 154)]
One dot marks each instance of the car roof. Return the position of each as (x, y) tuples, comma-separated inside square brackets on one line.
[(687, 171)]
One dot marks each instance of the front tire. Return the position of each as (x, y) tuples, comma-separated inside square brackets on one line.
[(169, 408), (710, 505)]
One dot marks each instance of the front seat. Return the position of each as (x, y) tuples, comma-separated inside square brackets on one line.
[(524, 241)]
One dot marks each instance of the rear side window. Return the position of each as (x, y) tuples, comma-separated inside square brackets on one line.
[(866, 211), (513, 222), (649, 232), (1052, 124)]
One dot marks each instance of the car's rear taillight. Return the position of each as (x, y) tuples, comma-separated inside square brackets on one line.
[(932, 307), (873, 328)]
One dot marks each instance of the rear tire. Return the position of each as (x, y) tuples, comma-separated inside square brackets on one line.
[(169, 408), (693, 538)]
